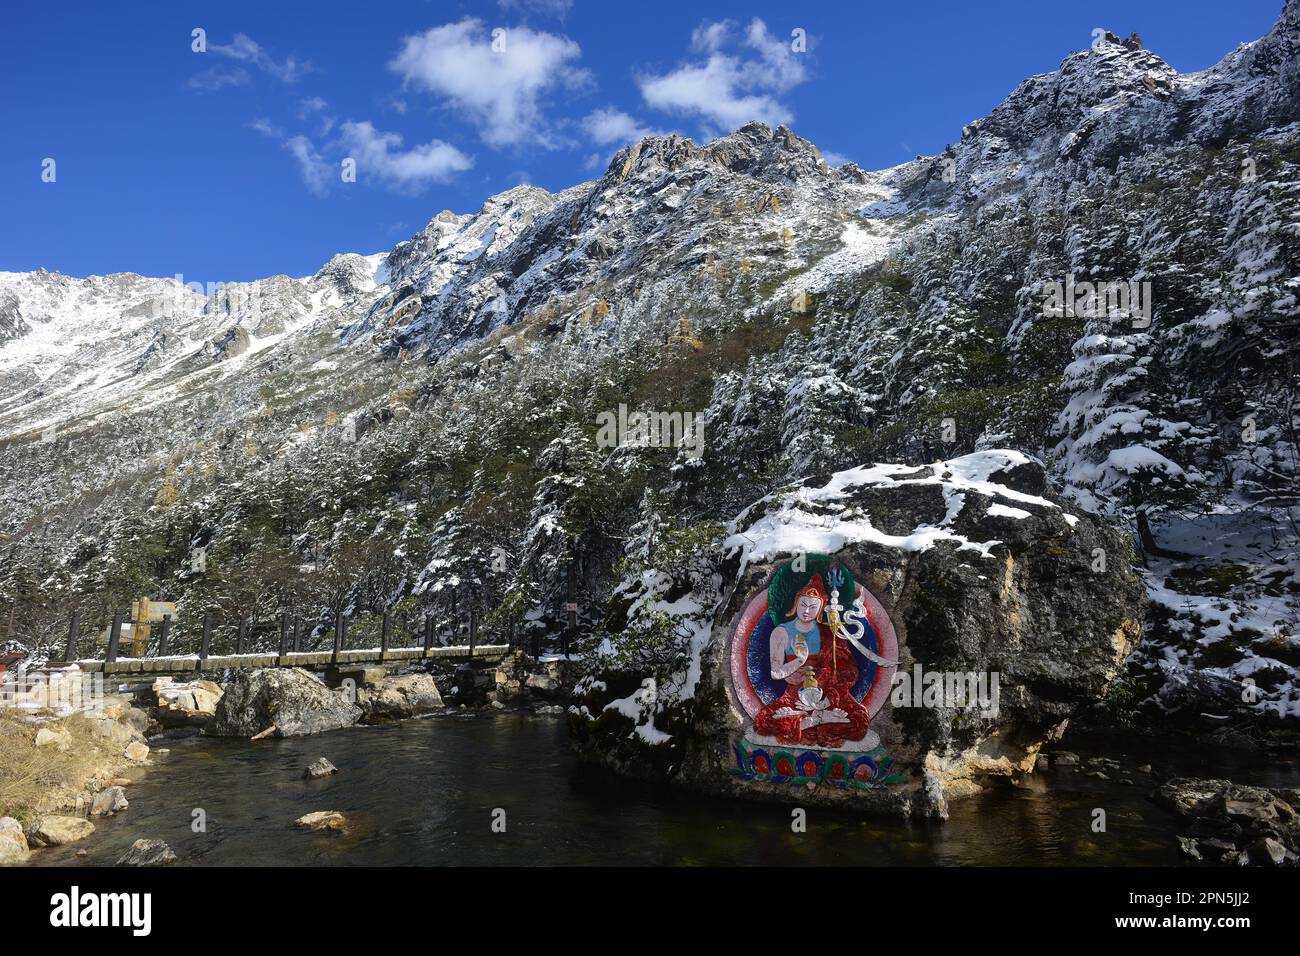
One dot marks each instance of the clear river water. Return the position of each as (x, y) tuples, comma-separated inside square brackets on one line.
[(424, 792)]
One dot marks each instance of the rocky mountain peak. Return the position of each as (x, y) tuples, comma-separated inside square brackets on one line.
[(1111, 74), (754, 150), (763, 153)]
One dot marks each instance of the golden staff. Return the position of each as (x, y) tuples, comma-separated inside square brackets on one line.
[(833, 614)]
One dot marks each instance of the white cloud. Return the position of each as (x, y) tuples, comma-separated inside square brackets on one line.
[(610, 126), (500, 91), (556, 8), (316, 172), (266, 127), (380, 154), (216, 78), (709, 37), (317, 107), (247, 50), (728, 90), (833, 158)]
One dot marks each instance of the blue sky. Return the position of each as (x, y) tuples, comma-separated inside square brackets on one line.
[(226, 165)]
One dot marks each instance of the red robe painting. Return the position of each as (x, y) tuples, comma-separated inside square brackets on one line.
[(819, 671)]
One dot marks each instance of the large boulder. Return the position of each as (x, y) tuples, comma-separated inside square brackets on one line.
[(185, 703), (396, 698), (992, 610), (13, 842), (117, 731), (60, 830), (287, 702)]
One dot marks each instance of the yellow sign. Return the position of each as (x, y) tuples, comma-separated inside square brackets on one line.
[(143, 614)]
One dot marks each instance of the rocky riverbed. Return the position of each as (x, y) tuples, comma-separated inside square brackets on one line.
[(492, 740), (422, 792), (61, 774)]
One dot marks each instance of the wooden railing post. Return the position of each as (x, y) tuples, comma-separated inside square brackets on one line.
[(428, 635), (74, 631), (114, 636), (383, 638), (162, 635), (284, 632), (473, 627), (340, 633), (239, 635), (297, 634), (206, 645)]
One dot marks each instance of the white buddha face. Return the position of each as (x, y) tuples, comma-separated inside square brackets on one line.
[(807, 608)]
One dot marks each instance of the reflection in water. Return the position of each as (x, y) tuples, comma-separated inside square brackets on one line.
[(422, 793)]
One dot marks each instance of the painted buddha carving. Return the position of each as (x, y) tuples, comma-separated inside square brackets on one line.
[(812, 658), (819, 672)]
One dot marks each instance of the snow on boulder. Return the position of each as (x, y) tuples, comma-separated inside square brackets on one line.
[(887, 641)]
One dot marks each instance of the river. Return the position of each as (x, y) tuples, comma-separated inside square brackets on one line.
[(423, 792)]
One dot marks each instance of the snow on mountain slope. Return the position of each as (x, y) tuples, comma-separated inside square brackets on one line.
[(662, 209), (89, 344), (442, 394)]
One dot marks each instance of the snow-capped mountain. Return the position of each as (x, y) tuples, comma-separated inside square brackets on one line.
[(441, 397)]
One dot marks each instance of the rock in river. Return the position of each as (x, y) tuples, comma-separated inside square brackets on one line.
[(136, 752), (58, 830), (321, 768), (1232, 823), (147, 853), (290, 700), (322, 820), (108, 802), (883, 639), (185, 703), (395, 698)]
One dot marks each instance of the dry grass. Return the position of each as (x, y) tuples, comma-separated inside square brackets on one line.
[(28, 772)]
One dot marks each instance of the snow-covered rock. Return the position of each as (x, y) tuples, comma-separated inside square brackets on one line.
[(982, 572)]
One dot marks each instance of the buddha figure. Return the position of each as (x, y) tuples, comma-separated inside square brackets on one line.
[(817, 707)]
